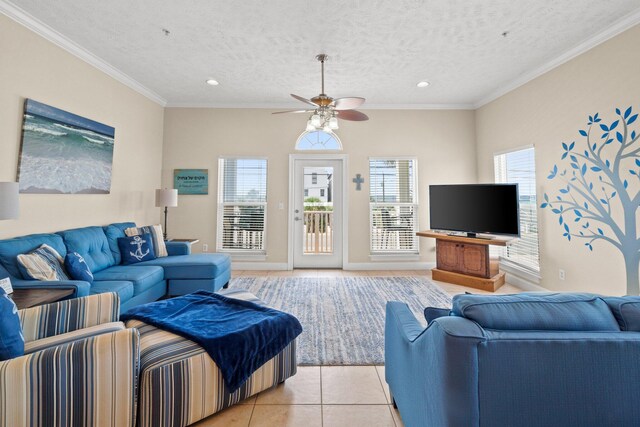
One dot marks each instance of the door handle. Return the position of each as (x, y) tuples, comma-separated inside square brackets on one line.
[(297, 218)]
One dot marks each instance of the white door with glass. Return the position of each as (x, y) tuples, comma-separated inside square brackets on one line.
[(317, 218)]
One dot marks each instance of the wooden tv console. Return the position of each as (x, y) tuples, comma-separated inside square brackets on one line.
[(465, 260)]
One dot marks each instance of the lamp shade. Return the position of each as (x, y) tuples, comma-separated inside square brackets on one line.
[(9, 206), (166, 198)]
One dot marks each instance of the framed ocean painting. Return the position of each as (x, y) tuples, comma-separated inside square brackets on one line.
[(63, 153)]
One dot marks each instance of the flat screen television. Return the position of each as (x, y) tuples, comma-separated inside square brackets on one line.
[(475, 208)]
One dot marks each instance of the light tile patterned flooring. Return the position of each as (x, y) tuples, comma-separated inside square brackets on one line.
[(325, 396)]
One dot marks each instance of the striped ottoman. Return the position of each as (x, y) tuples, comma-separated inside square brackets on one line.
[(180, 384)]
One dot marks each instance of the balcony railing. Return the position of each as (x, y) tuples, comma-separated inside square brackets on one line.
[(318, 236)]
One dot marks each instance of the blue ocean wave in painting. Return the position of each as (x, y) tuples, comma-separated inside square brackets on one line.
[(59, 157)]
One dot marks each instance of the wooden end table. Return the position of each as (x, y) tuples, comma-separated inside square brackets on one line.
[(31, 297)]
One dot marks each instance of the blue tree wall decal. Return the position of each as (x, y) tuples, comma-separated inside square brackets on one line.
[(596, 190)]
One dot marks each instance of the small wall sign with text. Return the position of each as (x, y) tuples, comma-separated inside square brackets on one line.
[(191, 181), (6, 285)]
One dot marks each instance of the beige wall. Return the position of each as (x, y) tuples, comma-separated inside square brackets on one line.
[(443, 142), (548, 111), (35, 68)]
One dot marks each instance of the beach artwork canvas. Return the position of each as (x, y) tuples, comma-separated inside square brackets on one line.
[(63, 153)]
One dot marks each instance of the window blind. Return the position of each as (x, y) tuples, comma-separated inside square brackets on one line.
[(393, 207), (242, 204), (519, 167)]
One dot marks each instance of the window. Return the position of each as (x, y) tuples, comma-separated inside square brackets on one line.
[(393, 207), (318, 140), (242, 204), (306, 192), (314, 178), (519, 167), (322, 192)]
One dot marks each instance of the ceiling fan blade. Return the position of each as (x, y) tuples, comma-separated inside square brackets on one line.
[(305, 100), (353, 115), (293, 111), (348, 103)]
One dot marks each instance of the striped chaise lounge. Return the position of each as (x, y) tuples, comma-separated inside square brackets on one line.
[(80, 367), (180, 384)]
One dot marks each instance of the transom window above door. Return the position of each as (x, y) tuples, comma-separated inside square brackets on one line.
[(318, 140)]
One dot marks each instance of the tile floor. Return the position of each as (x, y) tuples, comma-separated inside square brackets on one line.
[(325, 396)]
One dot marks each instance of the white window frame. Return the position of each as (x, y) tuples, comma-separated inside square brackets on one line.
[(396, 254), (239, 253), (526, 271)]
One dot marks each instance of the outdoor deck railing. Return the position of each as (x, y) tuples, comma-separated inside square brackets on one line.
[(318, 238)]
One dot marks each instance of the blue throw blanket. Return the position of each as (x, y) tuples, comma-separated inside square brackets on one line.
[(240, 336)]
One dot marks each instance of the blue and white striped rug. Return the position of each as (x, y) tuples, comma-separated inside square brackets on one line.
[(343, 317)]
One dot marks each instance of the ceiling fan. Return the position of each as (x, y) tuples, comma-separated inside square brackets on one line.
[(327, 110)]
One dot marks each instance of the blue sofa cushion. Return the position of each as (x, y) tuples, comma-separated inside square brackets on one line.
[(91, 243), (537, 311), (432, 313), (11, 339), (626, 311), (122, 288), (77, 267), (142, 278), (113, 233), (11, 248), (196, 266), (136, 249)]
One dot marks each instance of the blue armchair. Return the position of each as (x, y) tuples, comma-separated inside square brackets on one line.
[(515, 360)]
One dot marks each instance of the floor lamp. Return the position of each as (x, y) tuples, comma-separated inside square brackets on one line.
[(9, 207), (168, 199)]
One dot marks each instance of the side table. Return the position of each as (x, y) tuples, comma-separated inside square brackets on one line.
[(31, 297)]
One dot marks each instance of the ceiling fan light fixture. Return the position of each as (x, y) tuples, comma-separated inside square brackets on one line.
[(316, 120), (310, 127), (423, 83), (212, 82), (333, 123)]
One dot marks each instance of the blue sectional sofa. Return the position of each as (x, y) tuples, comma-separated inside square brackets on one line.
[(517, 360), (179, 273)]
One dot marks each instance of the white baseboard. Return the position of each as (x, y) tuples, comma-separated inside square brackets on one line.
[(521, 277), (253, 266), (389, 266)]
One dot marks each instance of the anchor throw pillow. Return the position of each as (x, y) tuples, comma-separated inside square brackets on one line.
[(136, 249), (156, 235)]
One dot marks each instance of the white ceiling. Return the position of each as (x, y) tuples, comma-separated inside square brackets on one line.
[(260, 51)]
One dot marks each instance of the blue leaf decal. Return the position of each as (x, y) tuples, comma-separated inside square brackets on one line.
[(564, 190), (577, 212), (600, 231), (626, 113), (546, 197), (608, 141), (604, 127), (619, 137), (632, 172), (555, 211), (586, 154), (604, 201), (614, 125), (637, 162), (566, 227), (561, 220), (573, 144), (595, 169), (583, 133), (544, 205), (633, 135), (565, 146), (617, 111), (613, 194), (625, 183), (586, 206), (632, 119), (573, 158), (594, 147), (575, 165), (584, 169), (607, 162), (596, 116), (564, 155)]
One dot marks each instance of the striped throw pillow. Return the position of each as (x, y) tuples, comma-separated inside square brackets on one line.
[(156, 235), (44, 263)]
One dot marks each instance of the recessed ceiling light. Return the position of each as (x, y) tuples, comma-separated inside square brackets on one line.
[(212, 82), (423, 84)]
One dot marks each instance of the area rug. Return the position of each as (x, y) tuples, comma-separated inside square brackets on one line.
[(343, 317)]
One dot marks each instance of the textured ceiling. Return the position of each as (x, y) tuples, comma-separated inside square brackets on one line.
[(260, 51)]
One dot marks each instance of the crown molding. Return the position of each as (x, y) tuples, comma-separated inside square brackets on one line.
[(20, 16), (616, 28), (276, 106)]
